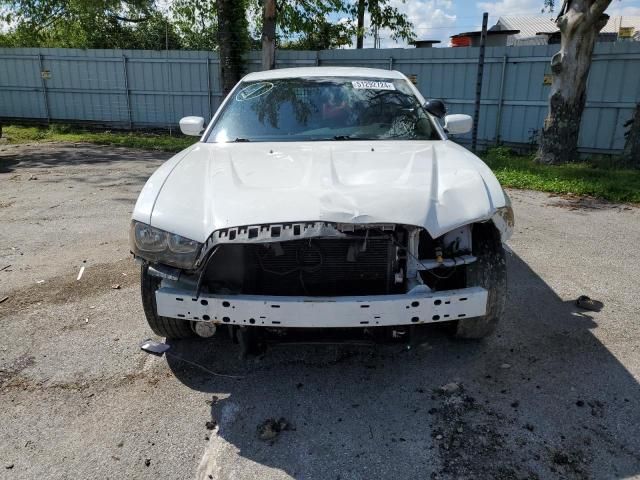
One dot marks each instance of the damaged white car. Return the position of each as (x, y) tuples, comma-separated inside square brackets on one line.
[(323, 198)]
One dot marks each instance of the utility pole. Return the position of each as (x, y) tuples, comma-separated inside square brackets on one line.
[(268, 34), (476, 113)]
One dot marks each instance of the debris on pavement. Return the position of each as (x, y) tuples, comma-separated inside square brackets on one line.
[(505, 366), (147, 462), (211, 424), (452, 387), (154, 348), (9, 467), (3, 299), (39, 282), (80, 273), (270, 428), (115, 286), (589, 304), (5, 267)]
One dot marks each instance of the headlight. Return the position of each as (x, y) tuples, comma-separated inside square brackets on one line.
[(156, 245)]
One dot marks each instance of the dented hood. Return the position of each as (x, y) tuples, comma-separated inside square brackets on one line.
[(437, 185)]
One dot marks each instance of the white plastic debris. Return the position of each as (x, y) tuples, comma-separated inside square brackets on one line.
[(155, 348)]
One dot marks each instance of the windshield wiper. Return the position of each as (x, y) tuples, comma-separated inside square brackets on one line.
[(239, 139), (351, 137)]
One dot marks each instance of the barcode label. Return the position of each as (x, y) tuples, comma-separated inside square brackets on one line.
[(372, 85)]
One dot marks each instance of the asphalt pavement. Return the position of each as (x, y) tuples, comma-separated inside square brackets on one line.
[(554, 394)]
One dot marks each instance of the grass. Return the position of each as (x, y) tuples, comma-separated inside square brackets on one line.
[(606, 182), (60, 133), (515, 171)]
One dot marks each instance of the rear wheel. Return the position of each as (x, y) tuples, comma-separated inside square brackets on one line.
[(162, 326), (488, 271)]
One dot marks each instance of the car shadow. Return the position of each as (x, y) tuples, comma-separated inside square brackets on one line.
[(543, 398)]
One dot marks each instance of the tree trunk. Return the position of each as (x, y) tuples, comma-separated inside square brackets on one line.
[(269, 35), (631, 153), (579, 22), (231, 42), (360, 31)]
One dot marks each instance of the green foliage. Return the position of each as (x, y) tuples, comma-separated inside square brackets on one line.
[(86, 24), (605, 182), (196, 21), (384, 15), (189, 24), (305, 24)]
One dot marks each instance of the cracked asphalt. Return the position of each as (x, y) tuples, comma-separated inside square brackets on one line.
[(554, 394)]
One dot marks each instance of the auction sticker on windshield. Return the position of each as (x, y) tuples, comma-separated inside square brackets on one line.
[(372, 85)]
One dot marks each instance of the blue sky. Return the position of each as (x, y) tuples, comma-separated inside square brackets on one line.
[(438, 19)]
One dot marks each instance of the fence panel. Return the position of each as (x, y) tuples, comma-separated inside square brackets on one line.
[(141, 89)]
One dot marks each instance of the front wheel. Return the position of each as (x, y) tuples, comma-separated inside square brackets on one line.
[(162, 326), (488, 271)]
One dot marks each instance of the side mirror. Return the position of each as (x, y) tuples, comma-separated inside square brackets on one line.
[(192, 125), (435, 108), (458, 124)]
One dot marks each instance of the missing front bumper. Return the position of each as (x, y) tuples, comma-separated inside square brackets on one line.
[(321, 312)]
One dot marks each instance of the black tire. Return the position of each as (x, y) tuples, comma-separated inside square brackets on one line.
[(488, 271), (162, 326)]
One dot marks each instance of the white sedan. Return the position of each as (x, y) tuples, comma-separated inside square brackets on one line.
[(323, 198)]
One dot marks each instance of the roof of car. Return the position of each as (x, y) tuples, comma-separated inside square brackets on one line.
[(323, 72)]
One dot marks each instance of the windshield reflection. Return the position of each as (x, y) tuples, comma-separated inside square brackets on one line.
[(325, 108)]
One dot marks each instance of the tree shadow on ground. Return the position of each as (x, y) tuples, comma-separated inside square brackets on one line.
[(13, 158), (543, 398)]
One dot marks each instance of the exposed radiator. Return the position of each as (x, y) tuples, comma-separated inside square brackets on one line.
[(318, 267)]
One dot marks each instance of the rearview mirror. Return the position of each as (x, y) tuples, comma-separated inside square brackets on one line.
[(192, 125), (435, 108), (458, 124)]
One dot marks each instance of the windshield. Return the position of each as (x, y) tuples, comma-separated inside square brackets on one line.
[(324, 108)]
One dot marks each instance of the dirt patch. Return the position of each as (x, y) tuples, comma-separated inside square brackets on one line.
[(474, 443), (97, 279), (578, 202), (11, 370)]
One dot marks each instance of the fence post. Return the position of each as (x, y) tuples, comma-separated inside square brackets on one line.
[(126, 89), (171, 113), (45, 97), (476, 114), (500, 97), (209, 87), (390, 63)]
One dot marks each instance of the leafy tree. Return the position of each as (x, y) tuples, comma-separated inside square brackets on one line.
[(86, 24), (383, 15), (196, 22), (232, 39), (326, 36), (580, 22)]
